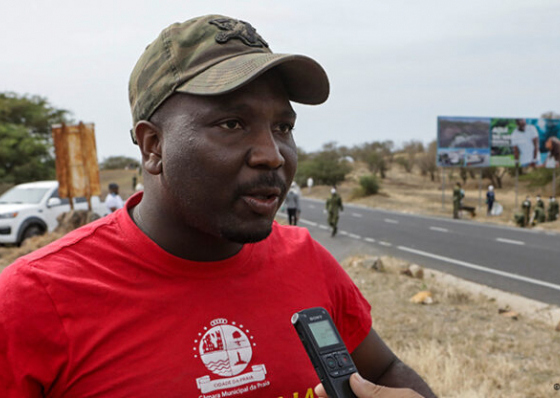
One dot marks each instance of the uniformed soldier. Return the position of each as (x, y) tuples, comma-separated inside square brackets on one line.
[(333, 205), (539, 202), (526, 207), (457, 197)]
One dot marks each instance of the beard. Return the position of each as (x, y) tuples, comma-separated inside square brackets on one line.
[(235, 232), (239, 236)]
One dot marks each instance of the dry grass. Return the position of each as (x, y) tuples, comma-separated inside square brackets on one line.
[(460, 345)]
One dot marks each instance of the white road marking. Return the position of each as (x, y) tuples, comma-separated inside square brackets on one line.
[(481, 268), (385, 243), (439, 229), (391, 221), (358, 215), (323, 226), (370, 240), (313, 224), (513, 242), (311, 206), (343, 233), (355, 236)]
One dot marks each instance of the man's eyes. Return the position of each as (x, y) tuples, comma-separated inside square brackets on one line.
[(282, 128), (285, 128), (231, 125)]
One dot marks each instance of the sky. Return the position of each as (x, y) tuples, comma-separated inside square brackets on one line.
[(394, 66)]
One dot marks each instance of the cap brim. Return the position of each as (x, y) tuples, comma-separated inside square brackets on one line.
[(306, 81)]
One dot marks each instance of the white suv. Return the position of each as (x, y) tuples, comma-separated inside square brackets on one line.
[(31, 209)]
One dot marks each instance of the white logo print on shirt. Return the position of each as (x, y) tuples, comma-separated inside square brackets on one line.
[(226, 350)]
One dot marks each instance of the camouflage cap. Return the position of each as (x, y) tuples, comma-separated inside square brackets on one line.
[(213, 55)]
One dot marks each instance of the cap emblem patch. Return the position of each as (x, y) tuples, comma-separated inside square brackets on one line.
[(234, 29)]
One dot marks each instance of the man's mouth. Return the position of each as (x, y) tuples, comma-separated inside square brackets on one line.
[(263, 201)]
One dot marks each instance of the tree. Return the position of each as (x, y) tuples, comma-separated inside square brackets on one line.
[(550, 115), (26, 148), (23, 158), (411, 149), (427, 161), (33, 112), (326, 167), (377, 156), (119, 162)]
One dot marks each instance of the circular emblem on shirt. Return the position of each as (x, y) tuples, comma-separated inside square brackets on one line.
[(225, 350)]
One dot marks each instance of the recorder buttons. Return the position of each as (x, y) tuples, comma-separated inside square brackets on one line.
[(338, 364), (331, 362), (343, 360)]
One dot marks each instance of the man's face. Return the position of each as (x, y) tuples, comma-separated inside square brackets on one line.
[(521, 124), (228, 160)]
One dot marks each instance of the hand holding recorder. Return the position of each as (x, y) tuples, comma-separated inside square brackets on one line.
[(332, 361), (364, 389)]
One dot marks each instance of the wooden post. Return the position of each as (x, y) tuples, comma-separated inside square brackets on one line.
[(442, 189), (554, 182), (516, 183), (480, 190)]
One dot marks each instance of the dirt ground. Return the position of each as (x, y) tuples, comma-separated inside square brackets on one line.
[(460, 344)]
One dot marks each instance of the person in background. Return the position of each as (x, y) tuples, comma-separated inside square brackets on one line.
[(293, 206), (457, 199), (113, 201), (539, 202), (526, 208), (134, 181), (333, 205), (490, 198)]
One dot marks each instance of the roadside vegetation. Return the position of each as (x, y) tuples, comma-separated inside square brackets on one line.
[(465, 345)]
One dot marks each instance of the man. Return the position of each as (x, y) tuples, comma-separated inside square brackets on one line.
[(188, 291), (490, 197), (539, 202), (333, 205), (525, 144), (113, 201), (457, 199), (526, 208), (292, 204)]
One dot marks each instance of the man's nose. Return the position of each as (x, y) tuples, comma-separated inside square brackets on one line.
[(264, 151)]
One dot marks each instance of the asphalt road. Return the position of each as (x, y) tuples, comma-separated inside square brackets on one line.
[(526, 262)]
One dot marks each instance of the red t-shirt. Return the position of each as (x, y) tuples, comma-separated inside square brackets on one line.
[(105, 312)]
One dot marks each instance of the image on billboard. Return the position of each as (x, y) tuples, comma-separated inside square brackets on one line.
[(516, 141), (463, 141), (501, 142), (549, 140)]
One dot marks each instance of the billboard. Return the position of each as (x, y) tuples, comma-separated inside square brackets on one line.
[(504, 142), (77, 170)]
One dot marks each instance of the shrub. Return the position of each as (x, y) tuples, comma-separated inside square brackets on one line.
[(369, 184)]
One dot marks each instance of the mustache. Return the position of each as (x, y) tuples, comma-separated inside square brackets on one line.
[(270, 180)]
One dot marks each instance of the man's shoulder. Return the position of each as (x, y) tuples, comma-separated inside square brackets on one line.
[(289, 232), (85, 239)]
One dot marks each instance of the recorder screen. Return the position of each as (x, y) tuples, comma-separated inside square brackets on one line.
[(323, 333)]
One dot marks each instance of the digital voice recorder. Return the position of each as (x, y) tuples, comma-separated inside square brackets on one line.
[(327, 351)]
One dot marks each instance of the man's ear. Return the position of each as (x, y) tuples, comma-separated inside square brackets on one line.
[(149, 138)]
